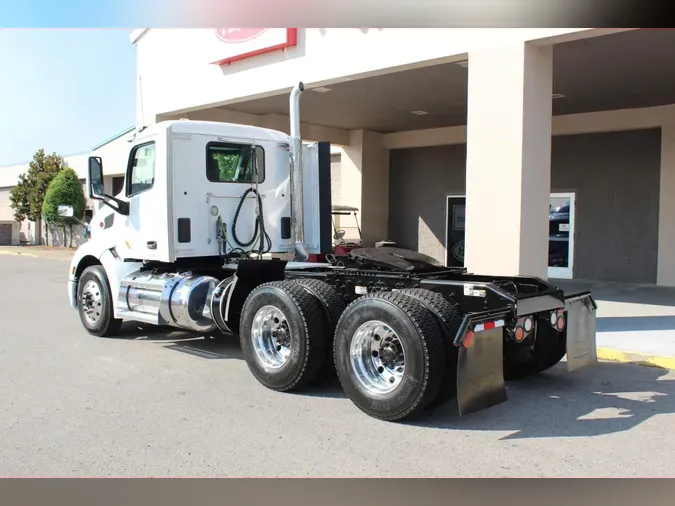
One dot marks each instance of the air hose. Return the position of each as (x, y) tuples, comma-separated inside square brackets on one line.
[(265, 244)]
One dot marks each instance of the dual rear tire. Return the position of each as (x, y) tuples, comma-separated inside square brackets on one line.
[(388, 349)]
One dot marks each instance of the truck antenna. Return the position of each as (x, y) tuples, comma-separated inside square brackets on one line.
[(140, 115), (301, 254)]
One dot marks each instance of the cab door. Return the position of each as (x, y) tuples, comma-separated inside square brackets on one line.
[(145, 187)]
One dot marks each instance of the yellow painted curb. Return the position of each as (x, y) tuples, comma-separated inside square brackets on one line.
[(632, 357), (18, 254)]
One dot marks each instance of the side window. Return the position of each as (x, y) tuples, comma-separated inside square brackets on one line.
[(232, 163), (141, 174)]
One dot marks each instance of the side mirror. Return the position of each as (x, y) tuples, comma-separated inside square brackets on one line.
[(65, 211), (96, 188)]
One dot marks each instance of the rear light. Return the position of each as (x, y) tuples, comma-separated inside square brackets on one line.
[(557, 320), (524, 326)]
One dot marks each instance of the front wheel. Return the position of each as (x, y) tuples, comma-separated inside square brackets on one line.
[(94, 303)]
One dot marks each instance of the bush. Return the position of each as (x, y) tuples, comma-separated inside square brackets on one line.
[(64, 190)]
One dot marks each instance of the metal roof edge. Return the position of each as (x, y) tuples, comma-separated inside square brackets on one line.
[(114, 137), (137, 34)]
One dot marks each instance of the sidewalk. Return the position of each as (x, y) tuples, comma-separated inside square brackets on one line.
[(636, 323)]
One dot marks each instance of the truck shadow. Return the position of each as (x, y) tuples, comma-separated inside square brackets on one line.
[(184, 341), (635, 323), (602, 399)]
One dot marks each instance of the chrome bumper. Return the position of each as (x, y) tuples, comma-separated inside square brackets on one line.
[(72, 293)]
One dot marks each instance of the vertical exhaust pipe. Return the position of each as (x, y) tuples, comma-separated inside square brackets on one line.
[(297, 215)]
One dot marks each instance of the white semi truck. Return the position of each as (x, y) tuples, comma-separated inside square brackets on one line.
[(226, 229)]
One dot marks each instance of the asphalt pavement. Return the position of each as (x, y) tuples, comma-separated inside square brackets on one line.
[(152, 403)]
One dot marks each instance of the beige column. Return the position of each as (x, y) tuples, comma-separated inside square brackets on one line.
[(508, 160), (666, 253), (365, 183)]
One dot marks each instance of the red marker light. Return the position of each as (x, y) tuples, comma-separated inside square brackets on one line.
[(467, 339)]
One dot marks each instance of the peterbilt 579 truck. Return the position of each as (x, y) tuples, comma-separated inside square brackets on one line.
[(225, 229)]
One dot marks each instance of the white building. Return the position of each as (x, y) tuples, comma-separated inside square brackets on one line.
[(114, 150), (450, 134)]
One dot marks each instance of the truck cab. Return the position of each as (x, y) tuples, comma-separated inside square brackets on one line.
[(196, 189)]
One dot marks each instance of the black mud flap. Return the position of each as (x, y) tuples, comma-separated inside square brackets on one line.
[(480, 362), (581, 312)]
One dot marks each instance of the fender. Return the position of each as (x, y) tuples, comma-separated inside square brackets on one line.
[(99, 252), (249, 275)]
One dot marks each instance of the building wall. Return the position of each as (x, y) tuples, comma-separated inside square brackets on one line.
[(176, 71), (615, 176)]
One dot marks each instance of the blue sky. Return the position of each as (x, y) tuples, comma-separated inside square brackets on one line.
[(64, 90)]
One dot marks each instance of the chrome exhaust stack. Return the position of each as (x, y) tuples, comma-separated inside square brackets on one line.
[(297, 215)]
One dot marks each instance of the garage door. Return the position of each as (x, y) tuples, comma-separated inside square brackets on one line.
[(5, 234)]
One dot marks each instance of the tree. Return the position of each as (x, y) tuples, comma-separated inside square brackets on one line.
[(64, 190), (28, 195)]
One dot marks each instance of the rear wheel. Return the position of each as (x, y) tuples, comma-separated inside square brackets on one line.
[(333, 307), (450, 319), (94, 303), (389, 355), (283, 335)]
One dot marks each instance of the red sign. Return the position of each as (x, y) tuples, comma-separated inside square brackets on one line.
[(255, 41), (238, 34)]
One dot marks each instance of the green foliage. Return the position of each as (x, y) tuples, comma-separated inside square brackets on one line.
[(64, 190), (28, 195), (227, 164)]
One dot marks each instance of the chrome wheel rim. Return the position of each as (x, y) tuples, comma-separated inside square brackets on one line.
[(271, 337), (377, 358), (91, 302)]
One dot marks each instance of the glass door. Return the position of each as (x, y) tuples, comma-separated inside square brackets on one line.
[(455, 209), (561, 236)]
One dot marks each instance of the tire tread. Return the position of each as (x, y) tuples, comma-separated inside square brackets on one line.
[(432, 342), (333, 306), (313, 323)]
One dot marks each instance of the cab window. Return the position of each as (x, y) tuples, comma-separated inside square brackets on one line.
[(141, 174), (232, 163)]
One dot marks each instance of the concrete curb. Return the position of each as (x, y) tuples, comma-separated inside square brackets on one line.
[(633, 357)]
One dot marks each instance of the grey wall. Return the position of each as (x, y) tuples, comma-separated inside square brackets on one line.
[(616, 179)]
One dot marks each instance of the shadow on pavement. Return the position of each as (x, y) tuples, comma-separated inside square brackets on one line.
[(602, 399), (621, 292), (635, 323)]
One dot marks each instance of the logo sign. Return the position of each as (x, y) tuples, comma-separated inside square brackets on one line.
[(458, 217), (458, 251), (237, 35), (236, 44)]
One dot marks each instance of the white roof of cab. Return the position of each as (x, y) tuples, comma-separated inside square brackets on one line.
[(228, 129)]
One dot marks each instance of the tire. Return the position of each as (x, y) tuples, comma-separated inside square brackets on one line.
[(93, 291), (305, 324), (425, 364), (333, 307), (523, 361), (449, 318)]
